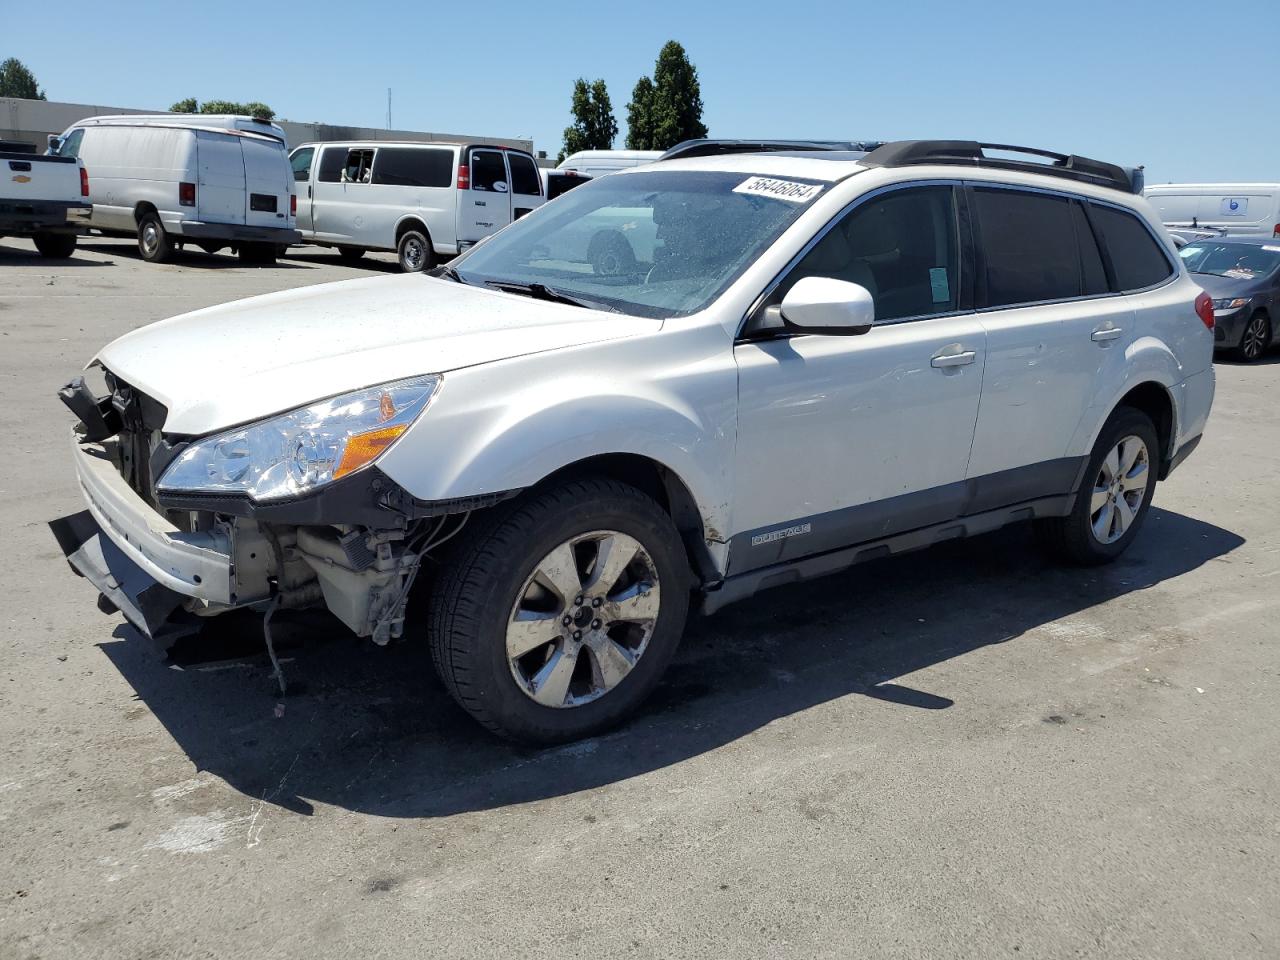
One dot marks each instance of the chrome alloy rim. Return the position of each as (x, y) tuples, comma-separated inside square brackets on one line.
[(1254, 336), (413, 253), (583, 619), (1119, 489)]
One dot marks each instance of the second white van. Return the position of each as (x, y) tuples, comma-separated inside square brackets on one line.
[(422, 200), (171, 179), (1242, 209)]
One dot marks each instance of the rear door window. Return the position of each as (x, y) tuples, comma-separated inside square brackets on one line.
[(524, 175), (301, 163), (1136, 257), (488, 171), (413, 167), (1093, 273), (1031, 247), (332, 162)]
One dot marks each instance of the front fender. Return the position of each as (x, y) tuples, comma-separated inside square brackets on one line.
[(485, 433)]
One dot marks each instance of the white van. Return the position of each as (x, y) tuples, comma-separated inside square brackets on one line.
[(596, 163), (1243, 209), (422, 200), (216, 181)]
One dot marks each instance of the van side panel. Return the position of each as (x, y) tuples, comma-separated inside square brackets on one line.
[(129, 166), (1246, 209), (220, 193)]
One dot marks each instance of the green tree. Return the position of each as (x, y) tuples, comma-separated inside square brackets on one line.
[(253, 109), (676, 112), (593, 127), (639, 126), (17, 81)]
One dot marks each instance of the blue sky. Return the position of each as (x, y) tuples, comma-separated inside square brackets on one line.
[(1114, 80)]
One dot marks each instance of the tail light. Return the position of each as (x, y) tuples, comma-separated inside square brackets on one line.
[(464, 177), (1204, 308), (1276, 231), (187, 194), (84, 182), (293, 204)]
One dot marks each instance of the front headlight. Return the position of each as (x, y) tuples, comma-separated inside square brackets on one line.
[(1230, 304), (298, 451)]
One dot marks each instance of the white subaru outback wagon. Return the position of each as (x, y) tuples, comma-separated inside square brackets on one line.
[(784, 365)]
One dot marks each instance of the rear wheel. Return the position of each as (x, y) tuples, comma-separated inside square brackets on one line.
[(1115, 496), (414, 252), (559, 615), (55, 244), (258, 253), (350, 255), (1255, 339), (153, 243)]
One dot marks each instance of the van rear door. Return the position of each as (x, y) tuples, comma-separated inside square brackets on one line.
[(220, 194), (268, 177), (526, 183), (485, 208)]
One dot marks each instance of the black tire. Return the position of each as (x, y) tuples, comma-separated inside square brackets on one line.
[(480, 582), (1256, 338), (350, 255), (413, 251), (1072, 538), (258, 253), (611, 255), (154, 244), (60, 245)]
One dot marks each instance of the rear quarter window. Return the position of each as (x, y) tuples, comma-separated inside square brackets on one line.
[(1136, 256), (413, 167)]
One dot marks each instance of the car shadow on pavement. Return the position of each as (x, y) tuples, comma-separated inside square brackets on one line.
[(321, 257), (372, 730), (17, 256), (188, 256)]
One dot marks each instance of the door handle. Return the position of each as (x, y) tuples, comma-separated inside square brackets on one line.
[(954, 359), (1105, 334)]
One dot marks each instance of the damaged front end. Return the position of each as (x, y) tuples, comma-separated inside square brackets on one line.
[(167, 559)]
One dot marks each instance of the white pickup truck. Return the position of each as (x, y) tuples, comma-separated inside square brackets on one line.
[(44, 198)]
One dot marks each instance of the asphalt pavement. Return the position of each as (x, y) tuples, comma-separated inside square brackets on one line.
[(967, 752)]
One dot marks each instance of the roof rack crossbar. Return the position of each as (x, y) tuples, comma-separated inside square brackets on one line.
[(904, 153)]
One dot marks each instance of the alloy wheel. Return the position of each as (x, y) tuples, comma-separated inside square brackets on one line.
[(583, 619), (1119, 489), (1255, 338)]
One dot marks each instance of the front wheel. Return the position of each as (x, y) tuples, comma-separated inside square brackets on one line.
[(1111, 504), (58, 245), (558, 616), (1255, 339)]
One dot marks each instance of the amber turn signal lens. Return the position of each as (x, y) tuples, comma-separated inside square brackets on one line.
[(364, 448)]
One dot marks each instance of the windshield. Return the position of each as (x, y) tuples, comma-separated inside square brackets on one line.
[(1241, 261), (655, 244)]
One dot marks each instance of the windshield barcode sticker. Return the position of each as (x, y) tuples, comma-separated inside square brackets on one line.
[(787, 190)]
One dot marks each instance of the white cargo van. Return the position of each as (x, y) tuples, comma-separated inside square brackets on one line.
[(422, 200), (596, 163), (214, 181), (1242, 209)]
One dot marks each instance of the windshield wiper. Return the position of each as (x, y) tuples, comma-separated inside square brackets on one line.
[(540, 291), (448, 272)]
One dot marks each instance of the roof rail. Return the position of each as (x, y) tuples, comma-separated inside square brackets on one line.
[(709, 148), (903, 153)]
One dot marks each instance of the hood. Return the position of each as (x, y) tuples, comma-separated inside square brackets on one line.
[(1222, 287), (246, 360)]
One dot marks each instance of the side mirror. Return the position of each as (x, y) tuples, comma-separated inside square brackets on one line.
[(55, 145), (828, 306)]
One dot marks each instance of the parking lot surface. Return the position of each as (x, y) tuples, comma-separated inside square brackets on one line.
[(967, 752)]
